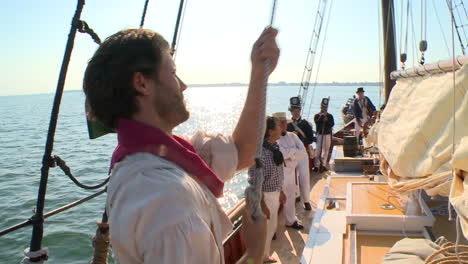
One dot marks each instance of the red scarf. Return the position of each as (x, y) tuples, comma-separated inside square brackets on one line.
[(134, 137)]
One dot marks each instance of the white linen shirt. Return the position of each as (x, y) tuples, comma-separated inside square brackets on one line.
[(292, 148), (158, 213)]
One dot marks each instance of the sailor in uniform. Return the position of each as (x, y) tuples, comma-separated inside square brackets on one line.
[(303, 130), (293, 151), (324, 123), (363, 109)]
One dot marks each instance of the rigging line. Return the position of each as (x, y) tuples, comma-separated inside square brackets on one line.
[(61, 163), (425, 19), (38, 218), (407, 28), (312, 62), (413, 38), (180, 30), (441, 28), (455, 24), (142, 23), (310, 51), (464, 9), (177, 25), (253, 193), (422, 19), (461, 21), (320, 13), (401, 24), (379, 37), (320, 60), (454, 125), (51, 213)]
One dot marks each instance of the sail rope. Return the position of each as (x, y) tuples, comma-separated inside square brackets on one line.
[(62, 165), (178, 28), (143, 16), (460, 18), (404, 44), (413, 36), (310, 59), (253, 193), (423, 40), (441, 28), (47, 161), (379, 37), (450, 7), (319, 62)]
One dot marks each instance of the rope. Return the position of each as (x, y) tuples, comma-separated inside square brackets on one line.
[(253, 193), (37, 231), (423, 41), (461, 21), (320, 62), (61, 163), (454, 23), (101, 244), (441, 28), (401, 23), (179, 22), (447, 254), (83, 27), (379, 37), (143, 16), (413, 37), (307, 73)]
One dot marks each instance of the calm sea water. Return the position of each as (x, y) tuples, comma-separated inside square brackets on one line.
[(23, 127)]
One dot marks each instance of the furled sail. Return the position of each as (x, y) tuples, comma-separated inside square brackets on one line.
[(416, 131), (459, 190)]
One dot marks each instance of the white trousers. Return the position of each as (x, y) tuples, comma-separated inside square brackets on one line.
[(272, 202), (303, 173), (289, 189), (357, 127), (323, 148)]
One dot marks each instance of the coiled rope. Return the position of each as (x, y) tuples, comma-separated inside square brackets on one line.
[(253, 193)]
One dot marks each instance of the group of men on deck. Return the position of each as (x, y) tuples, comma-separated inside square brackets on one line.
[(162, 194)]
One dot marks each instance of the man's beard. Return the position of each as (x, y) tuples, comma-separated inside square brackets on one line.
[(172, 110), (283, 133)]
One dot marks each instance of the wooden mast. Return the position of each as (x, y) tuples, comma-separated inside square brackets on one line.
[(390, 63)]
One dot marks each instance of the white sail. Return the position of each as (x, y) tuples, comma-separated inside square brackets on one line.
[(417, 131)]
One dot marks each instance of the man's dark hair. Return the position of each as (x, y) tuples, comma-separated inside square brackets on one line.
[(270, 124), (108, 77)]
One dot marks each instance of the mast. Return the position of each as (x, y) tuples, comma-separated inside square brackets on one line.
[(390, 60)]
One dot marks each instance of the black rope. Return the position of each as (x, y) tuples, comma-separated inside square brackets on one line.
[(142, 23), (37, 232), (33, 220), (61, 163), (83, 27), (176, 30)]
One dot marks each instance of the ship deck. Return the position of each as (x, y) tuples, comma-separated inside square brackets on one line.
[(294, 246)]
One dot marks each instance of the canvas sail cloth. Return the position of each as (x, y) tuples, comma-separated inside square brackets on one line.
[(459, 190), (416, 130)]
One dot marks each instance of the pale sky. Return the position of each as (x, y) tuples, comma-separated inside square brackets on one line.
[(215, 42)]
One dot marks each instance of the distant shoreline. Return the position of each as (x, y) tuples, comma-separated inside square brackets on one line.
[(291, 84), (356, 84)]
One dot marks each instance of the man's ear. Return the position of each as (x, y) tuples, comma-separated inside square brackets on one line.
[(140, 83)]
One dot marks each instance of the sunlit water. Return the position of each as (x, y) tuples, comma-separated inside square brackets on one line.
[(23, 127)]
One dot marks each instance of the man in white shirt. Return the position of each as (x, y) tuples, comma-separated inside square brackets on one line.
[(162, 192), (293, 152)]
